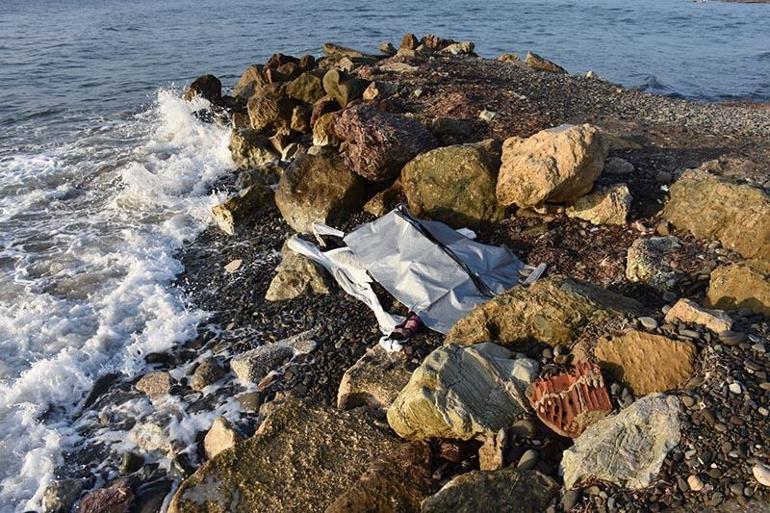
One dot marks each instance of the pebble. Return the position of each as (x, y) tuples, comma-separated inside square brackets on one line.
[(735, 388), (765, 386), (695, 483), (648, 323), (761, 474), (720, 427), (689, 333), (234, 265), (669, 297), (570, 499), (688, 401), (528, 460)]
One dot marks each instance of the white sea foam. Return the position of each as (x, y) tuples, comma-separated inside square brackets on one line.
[(88, 234)]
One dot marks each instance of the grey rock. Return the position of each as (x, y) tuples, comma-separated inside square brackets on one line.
[(647, 261), (528, 460), (463, 391), (626, 449), (60, 495), (253, 365), (508, 490)]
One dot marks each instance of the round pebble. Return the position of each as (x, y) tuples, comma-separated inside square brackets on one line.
[(735, 388), (761, 473), (695, 483), (528, 460)]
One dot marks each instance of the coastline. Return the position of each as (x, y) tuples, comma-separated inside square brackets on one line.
[(666, 136)]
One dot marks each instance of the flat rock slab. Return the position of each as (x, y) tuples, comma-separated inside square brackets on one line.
[(553, 310), (626, 449), (461, 392), (507, 490), (646, 362), (301, 459), (688, 311)]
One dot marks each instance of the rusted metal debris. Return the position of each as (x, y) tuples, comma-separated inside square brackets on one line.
[(570, 402)]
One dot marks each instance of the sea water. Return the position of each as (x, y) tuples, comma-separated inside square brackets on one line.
[(105, 173)]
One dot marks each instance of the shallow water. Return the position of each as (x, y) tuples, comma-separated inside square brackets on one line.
[(104, 173)]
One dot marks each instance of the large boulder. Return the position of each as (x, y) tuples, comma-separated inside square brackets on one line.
[(557, 165), (645, 362), (626, 449), (375, 380), (454, 184), (323, 130), (648, 260), (270, 111), (250, 149), (741, 285), (553, 310), (380, 143), (297, 275), (397, 483), (116, 498), (713, 206), (318, 189), (206, 86), (509, 490), (605, 205), (253, 80), (307, 88), (302, 459), (461, 392)]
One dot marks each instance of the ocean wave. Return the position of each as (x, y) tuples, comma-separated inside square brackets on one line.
[(86, 278)]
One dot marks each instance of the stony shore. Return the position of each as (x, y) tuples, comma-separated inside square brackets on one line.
[(633, 376)]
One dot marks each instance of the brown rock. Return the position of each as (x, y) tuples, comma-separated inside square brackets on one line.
[(605, 205), (409, 42), (300, 118), (318, 188), (312, 451), (206, 373), (385, 201), (553, 310), (323, 106), (241, 207), (269, 111), (116, 498), (307, 87), (335, 49), (454, 184), (646, 363), (570, 402), (250, 149), (374, 380), (296, 275), (378, 90), (206, 86), (688, 311), (380, 143), (557, 165), (395, 484), (323, 130), (342, 87), (715, 206), (252, 81), (539, 63), (154, 384), (492, 451), (220, 437), (743, 285), (509, 57), (278, 59)]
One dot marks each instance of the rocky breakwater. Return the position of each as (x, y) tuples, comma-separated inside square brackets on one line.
[(632, 376)]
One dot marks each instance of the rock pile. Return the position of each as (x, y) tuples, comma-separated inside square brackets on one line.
[(632, 377)]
